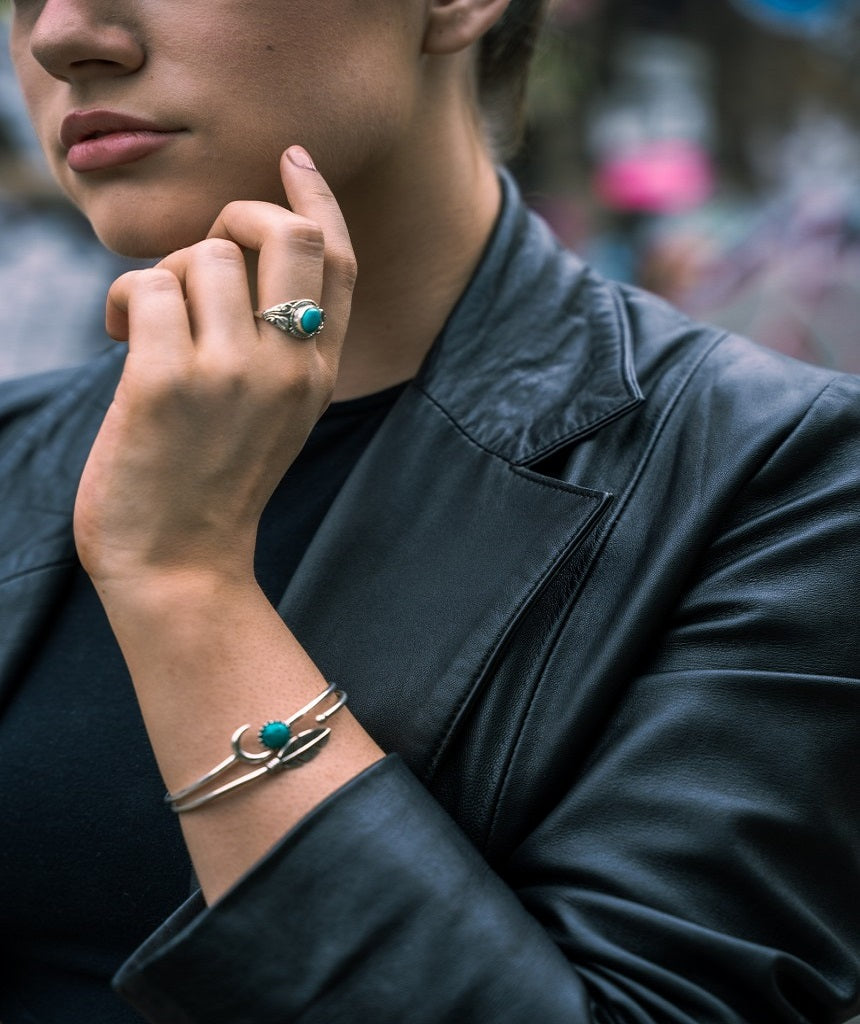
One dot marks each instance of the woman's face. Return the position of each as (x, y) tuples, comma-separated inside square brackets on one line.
[(194, 100)]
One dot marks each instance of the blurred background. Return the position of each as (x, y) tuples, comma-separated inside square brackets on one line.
[(708, 150)]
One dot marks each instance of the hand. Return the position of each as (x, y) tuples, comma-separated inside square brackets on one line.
[(214, 405)]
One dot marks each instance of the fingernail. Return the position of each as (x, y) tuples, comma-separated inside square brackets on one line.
[(301, 158)]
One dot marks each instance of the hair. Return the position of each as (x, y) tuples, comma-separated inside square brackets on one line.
[(504, 61)]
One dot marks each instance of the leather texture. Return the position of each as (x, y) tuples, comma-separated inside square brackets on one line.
[(594, 584)]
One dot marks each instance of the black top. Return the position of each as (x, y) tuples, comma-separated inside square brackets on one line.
[(82, 888)]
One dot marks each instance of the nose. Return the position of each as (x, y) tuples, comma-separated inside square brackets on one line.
[(79, 40)]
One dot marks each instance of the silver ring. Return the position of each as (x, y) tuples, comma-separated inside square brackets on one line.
[(302, 318)]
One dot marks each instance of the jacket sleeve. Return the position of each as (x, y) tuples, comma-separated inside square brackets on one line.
[(703, 867)]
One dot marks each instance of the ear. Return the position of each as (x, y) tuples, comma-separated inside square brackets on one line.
[(453, 25)]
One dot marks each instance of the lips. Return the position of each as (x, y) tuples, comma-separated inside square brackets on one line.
[(100, 139)]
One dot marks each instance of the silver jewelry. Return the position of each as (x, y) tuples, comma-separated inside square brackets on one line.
[(284, 750), (302, 318)]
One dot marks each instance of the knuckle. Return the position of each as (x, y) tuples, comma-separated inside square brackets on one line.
[(224, 374), (327, 380), (298, 382), (165, 381), (306, 237), (323, 376), (126, 281), (155, 279), (219, 250), (231, 386), (234, 208), (345, 265)]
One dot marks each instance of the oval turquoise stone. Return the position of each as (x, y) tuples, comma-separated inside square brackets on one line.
[(311, 320), (275, 734)]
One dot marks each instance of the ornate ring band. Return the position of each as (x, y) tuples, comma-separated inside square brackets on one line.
[(302, 318)]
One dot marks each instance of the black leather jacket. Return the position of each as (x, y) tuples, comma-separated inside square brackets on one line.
[(595, 585)]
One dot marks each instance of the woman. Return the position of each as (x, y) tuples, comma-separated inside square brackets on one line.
[(585, 570)]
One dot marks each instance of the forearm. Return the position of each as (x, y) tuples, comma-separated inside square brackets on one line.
[(207, 655), (213, 406)]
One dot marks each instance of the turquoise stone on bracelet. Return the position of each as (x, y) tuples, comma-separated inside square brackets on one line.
[(275, 735)]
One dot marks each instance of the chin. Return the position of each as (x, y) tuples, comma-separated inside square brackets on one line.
[(143, 224), (151, 238)]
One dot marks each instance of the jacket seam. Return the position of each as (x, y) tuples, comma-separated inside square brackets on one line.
[(790, 434), (582, 431), (665, 416), (60, 563), (627, 368), (520, 470), (556, 562), (774, 453)]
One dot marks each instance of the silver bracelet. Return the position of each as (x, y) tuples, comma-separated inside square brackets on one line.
[(283, 750)]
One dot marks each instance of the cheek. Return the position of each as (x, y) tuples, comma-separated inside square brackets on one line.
[(349, 115), (32, 80), (42, 95), (345, 93)]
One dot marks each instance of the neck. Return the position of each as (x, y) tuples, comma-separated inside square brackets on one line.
[(415, 257)]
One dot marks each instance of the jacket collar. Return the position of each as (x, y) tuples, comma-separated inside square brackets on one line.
[(537, 352)]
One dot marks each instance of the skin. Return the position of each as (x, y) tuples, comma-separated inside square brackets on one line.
[(214, 405)]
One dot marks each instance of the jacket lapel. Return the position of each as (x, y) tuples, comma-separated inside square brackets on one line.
[(421, 570), (447, 531)]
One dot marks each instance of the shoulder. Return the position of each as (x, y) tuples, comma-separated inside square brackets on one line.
[(726, 390), (738, 460)]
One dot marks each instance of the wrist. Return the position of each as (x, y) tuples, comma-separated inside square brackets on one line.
[(154, 597)]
